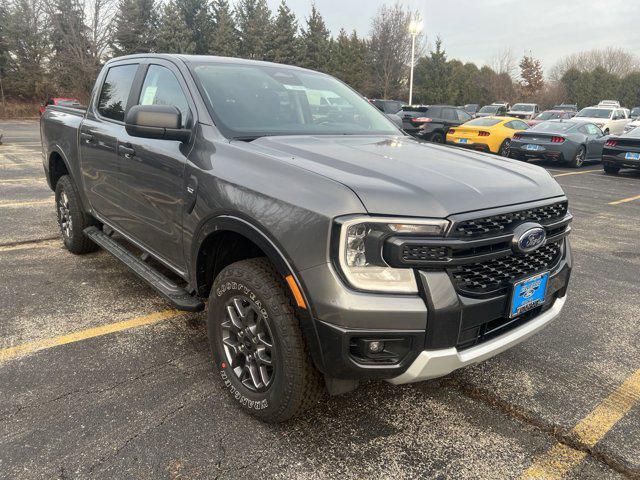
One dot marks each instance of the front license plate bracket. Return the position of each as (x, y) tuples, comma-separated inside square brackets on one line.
[(528, 293)]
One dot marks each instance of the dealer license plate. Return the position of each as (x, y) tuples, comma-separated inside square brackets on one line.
[(528, 294)]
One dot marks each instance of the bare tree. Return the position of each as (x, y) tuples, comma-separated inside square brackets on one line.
[(504, 61), (390, 46), (614, 60)]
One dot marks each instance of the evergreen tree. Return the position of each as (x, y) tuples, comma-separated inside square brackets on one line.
[(135, 24), (284, 44), (174, 35), (196, 16), (432, 77), (224, 39), (253, 18), (316, 43), (28, 43), (349, 61)]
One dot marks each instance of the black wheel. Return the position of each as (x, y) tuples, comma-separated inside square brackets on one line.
[(71, 219), (611, 169), (505, 148), (578, 159), (437, 138), (257, 343)]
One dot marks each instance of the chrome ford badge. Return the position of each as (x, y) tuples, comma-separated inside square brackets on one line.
[(528, 237)]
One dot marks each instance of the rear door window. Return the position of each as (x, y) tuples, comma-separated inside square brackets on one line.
[(114, 94), (161, 87)]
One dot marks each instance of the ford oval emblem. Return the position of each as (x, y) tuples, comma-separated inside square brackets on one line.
[(528, 237)]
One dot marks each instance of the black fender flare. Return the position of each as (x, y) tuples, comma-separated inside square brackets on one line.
[(239, 224)]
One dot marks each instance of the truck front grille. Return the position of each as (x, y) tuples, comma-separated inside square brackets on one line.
[(500, 224), (497, 275)]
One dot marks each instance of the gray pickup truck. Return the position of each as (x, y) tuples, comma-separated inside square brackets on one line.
[(331, 246)]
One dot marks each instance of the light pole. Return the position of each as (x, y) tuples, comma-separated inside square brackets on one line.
[(414, 30)]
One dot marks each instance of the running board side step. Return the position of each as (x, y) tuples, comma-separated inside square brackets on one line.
[(178, 296)]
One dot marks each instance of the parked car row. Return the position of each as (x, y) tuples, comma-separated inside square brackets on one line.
[(561, 134)]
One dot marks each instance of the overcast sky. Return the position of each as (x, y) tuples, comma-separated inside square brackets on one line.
[(474, 30)]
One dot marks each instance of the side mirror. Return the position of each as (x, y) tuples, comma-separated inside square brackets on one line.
[(162, 122)]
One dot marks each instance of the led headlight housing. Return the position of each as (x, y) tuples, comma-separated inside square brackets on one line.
[(360, 249)]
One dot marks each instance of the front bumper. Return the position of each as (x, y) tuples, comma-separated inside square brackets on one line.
[(437, 363), (430, 334)]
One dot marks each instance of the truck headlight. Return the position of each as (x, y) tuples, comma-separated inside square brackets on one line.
[(360, 251)]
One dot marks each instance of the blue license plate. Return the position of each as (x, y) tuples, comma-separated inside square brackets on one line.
[(528, 294), (532, 148), (463, 140), (632, 156)]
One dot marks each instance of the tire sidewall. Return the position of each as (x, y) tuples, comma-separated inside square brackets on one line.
[(576, 161), (65, 185), (506, 144), (265, 404)]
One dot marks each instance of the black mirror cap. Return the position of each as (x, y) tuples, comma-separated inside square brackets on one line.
[(162, 122)]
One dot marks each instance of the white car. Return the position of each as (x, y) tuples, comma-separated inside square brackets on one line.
[(611, 120), (631, 125), (526, 111)]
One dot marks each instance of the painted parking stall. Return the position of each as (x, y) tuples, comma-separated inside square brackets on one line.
[(98, 371)]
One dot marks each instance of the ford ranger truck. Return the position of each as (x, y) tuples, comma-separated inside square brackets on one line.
[(331, 246)]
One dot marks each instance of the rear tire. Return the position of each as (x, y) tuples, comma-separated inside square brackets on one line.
[(71, 219), (611, 169), (578, 159), (437, 138), (505, 148), (257, 343)]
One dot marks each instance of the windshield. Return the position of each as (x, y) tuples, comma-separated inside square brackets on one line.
[(489, 109), (548, 116), (522, 107), (250, 101), (552, 127), (635, 111), (595, 112), (484, 122)]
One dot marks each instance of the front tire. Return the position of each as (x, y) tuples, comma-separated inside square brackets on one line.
[(257, 343), (71, 219), (578, 159)]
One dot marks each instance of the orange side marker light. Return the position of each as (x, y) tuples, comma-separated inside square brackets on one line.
[(297, 294)]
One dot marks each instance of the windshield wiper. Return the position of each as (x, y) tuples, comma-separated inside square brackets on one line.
[(248, 138)]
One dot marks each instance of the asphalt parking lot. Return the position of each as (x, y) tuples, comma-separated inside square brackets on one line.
[(100, 378)]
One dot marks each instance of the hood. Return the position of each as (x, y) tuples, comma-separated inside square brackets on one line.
[(595, 120), (402, 176)]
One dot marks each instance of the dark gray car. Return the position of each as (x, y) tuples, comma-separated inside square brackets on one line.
[(568, 141), (331, 246)]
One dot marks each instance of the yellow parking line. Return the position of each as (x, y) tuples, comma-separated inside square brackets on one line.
[(25, 204), (55, 242), (625, 200), (577, 173), (561, 459), (22, 180), (31, 347), (22, 164)]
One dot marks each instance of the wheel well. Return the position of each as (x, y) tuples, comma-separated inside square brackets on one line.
[(57, 168), (219, 250)]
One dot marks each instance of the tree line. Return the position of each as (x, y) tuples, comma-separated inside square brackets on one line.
[(57, 47)]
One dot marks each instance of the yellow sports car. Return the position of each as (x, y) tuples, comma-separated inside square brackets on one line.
[(487, 134)]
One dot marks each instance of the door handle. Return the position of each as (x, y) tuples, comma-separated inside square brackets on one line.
[(86, 137), (126, 151)]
